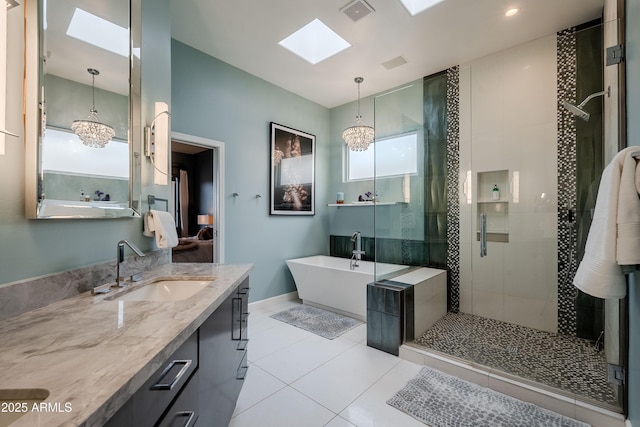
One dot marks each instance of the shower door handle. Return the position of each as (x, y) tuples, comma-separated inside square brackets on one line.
[(483, 235)]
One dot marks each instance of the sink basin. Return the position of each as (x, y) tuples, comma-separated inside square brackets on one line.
[(164, 290), (18, 402)]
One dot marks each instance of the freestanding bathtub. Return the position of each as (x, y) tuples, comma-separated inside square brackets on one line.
[(327, 282)]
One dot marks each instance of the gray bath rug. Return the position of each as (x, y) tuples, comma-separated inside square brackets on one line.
[(320, 322), (441, 400)]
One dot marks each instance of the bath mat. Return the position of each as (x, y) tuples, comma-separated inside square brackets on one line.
[(320, 322), (441, 400)]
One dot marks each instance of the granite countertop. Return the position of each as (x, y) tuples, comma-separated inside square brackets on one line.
[(92, 354)]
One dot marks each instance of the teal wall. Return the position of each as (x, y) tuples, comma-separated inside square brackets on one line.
[(30, 248), (633, 138), (214, 100)]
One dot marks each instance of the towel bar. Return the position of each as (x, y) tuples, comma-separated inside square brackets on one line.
[(151, 199)]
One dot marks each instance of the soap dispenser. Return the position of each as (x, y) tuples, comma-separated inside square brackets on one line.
[(495, 193)]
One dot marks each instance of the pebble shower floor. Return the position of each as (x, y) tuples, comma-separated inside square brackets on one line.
[(563, 362)]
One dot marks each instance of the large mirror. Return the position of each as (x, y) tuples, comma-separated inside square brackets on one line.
[(81, 88)]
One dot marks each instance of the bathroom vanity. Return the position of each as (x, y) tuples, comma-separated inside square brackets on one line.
[(110, 361)]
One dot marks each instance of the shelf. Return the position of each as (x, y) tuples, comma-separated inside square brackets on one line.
[(366, 204), (492, 201)]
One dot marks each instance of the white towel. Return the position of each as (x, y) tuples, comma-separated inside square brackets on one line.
[(614, 236), (146, 230), (161, 224)]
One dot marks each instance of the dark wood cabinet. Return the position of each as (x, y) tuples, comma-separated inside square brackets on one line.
[(201, 381), (223, 361), (177, 377)]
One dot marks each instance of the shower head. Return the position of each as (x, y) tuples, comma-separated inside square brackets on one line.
[(578, 111)]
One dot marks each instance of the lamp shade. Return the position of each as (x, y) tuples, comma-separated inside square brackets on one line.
[(205, 219)]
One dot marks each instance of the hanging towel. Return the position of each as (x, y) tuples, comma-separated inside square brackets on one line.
[(146, 230), (614, 236), (163, 227)]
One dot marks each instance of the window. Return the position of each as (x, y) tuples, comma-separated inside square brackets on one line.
[(396, 156), (62, 151)]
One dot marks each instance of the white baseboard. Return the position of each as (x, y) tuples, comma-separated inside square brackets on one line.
[(267, 302)]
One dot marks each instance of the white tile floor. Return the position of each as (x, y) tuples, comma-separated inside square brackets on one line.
[(297, 378)]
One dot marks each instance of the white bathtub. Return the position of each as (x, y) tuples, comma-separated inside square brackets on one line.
[(328, 282)]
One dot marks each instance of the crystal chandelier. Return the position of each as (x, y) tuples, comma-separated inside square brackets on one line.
[(358, 137), (91, 131)]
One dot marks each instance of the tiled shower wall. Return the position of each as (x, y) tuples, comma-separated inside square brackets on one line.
[(577, 52), (508, 123)]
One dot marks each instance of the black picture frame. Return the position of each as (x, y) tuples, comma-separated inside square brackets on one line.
[(292, 170)]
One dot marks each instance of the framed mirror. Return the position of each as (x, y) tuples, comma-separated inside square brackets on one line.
[(82, 88)]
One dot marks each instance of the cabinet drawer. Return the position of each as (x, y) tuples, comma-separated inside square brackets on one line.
[(184, 411), (151, 400)]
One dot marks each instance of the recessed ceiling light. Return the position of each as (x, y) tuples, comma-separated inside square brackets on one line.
[(99, 32), (315, 42), (414, 7), (511, 12)]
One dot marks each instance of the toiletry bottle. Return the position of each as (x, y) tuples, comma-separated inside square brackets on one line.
[(82, 195), (495, 193)]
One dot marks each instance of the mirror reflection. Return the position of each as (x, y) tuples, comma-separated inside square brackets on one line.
[(84, 153)]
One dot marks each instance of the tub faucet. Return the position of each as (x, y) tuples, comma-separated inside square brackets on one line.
[(121, 281), (357, 252)]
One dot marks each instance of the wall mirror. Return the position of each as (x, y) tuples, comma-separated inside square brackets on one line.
[(81, 91)]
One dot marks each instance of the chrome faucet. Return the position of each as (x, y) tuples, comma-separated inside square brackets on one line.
[(357, 252), (120, 281)]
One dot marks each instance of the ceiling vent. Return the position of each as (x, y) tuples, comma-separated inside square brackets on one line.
[(11, 4), (357, 9), (395, 62)]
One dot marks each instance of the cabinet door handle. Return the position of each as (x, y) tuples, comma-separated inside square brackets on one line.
[(242, 372), (190, 415), (242, 344), (236, 319), (159, 385)]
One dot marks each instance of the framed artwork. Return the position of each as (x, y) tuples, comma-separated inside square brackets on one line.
[(293, 162)]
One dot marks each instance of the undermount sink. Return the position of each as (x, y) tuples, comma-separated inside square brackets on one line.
[(18, 402), (164, 290)]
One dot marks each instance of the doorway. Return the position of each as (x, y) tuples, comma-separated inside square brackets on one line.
[(197, 169)]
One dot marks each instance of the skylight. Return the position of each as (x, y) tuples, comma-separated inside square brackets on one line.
[(315, 42), (416, 6), (99, 32)]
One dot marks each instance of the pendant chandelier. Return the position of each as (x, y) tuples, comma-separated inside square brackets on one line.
[(91, 131), (358, 137)]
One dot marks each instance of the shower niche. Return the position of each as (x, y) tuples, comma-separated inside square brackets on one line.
[(493, 194)]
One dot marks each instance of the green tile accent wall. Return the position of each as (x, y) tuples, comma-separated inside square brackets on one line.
[(435, 177)]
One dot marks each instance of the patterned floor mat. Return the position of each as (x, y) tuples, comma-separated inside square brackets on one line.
[(320, 322), (441, 400)]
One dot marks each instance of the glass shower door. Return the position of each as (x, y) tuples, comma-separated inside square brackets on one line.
[(501, 199)]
